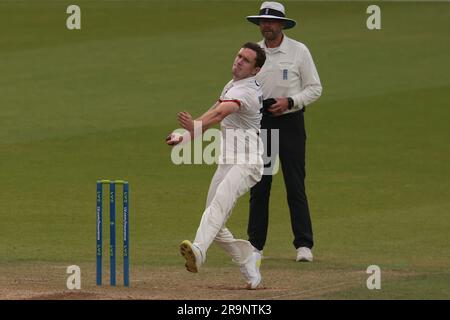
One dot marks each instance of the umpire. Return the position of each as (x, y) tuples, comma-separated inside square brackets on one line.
[(289, 82)]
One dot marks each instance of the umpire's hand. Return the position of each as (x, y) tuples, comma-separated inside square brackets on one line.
[(280, 106)]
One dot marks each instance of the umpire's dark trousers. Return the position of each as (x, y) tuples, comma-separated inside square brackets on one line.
[(292, 139)]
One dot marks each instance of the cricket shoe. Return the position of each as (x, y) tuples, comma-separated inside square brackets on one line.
[(250, 270), (304, 254), (192, 254)]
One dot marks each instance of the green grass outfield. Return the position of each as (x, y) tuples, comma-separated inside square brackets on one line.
[(95, 103)]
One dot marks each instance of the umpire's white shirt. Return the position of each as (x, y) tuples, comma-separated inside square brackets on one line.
[(289, 71)]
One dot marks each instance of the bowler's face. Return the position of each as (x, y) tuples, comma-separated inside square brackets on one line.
[(271, 29), (244, 64)]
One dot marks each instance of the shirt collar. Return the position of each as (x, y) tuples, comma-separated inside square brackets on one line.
[(283, 47), (242, 81)]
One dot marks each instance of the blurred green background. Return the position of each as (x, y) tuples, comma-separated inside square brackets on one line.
[(98, 102)]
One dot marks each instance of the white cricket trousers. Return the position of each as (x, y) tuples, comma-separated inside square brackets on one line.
[(230, 181)]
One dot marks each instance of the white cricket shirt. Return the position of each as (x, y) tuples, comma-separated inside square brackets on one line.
[(240, 129), (289, 71)]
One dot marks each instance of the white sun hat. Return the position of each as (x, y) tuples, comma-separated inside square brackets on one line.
[(272, 10)]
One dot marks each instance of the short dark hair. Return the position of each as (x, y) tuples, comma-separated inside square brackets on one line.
[(260, 53)]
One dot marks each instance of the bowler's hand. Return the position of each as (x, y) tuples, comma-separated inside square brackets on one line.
[(279, 107), (174, 139), (186, 121)]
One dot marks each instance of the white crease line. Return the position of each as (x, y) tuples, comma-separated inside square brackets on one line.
[(308, 291)]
